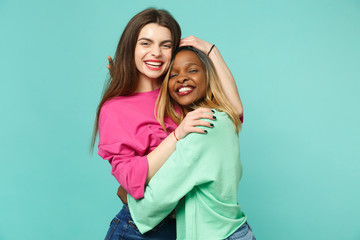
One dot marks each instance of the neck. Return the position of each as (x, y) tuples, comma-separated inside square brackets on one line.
[(194, 105), (146, 84), (187, 109)]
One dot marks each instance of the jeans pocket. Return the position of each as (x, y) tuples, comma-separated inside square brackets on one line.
[(113, 225), (132, 224)]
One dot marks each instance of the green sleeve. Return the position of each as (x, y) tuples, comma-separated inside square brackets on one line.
[(179, 174)]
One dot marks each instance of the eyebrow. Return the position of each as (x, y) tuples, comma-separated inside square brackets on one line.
[(148, 39), (187, 65), (190, 64)]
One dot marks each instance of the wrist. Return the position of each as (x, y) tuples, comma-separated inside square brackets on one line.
[(176, 138), (211, 48)]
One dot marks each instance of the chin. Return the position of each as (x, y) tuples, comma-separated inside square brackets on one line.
[(188, 104), (154, 75)]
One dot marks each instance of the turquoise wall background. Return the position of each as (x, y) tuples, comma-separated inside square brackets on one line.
[(296, 64)]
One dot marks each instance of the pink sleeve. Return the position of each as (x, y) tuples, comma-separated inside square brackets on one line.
[(128, 169), (126, 156)]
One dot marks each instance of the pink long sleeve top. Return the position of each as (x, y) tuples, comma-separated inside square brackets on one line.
[(128, 131)]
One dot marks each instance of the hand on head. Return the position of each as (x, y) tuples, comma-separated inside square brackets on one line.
[(196, 43)]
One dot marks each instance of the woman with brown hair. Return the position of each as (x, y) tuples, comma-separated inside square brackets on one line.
[(130, 137)]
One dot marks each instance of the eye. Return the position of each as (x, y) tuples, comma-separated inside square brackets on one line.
[(193, 71), (167, 46), (172, 75), (144, 43)]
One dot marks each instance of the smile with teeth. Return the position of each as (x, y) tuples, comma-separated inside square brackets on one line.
[(184, 90), (153, 64)]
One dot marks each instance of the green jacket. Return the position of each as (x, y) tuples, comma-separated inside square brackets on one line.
[(206, 169)]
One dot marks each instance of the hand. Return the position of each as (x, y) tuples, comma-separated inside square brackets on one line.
[(110, 66), (196, 43), (191, 120), (122, 194)]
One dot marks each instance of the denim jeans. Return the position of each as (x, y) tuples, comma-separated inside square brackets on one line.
[(243, 233), (123, 227)]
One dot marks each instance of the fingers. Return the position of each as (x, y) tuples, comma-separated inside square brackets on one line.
[(193, 120), (197, 130), (203, 123), (201, 109), (189, 41), (201, 113), (194, 126), (111, 63), (196, 43), (206, 115)]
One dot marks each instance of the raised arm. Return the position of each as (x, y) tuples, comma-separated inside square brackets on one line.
[(225, 76)]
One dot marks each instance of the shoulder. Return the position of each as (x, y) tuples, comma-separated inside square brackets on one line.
[(220, 142), (223, 125), (117, 106), (113, 104), (222, 117), (116, 121), (222, 130), (113, 112)]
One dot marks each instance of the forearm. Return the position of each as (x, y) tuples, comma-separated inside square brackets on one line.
[(227, 80), (159, 155), (166, 188), (190, 123)]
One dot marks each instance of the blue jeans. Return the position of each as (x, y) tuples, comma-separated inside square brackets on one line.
[(123, 227), (243, 233)]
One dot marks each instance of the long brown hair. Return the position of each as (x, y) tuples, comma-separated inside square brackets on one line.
[(123, 79), (214, 95)]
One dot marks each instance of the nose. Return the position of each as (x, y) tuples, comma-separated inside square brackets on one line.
[(182, 78), (155, 51)]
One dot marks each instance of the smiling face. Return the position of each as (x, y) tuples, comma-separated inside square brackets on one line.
[(187, 79), (153, 51)]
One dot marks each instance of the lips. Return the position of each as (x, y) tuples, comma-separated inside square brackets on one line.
[(154, 64), (184, 90)]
